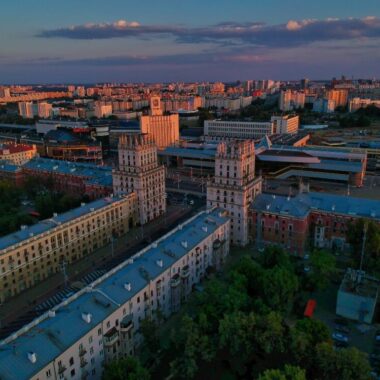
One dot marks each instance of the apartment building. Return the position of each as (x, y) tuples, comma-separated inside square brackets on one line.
[(218, 130), (17, 154), (357, 103), (26, 110), (234, 185), (339, 96), (285, 124), (35, 252), (101, 322), (138, 171), (163, 128), (307, 220), (291, 100)]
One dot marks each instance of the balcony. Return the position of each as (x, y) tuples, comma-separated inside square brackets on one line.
[(61, 369), (175, 281), (185, 271), (83, 362), (111, 337), (126, 324), (82, 351)]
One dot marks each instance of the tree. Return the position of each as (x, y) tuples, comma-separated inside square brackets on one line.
[(149, 330), (305, 336), (278, 287), (288, 373), (347, 363), (355, 235), (323, 265), (125, 369)]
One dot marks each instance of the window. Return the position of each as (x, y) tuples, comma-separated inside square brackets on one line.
[(72, 372), (71, 361), (48, 373)]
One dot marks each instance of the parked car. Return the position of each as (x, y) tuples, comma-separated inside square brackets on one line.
[(341, 328), (338, 336)]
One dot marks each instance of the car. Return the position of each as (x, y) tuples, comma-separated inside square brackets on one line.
[(306, 269), (338, 336), (306, 257)]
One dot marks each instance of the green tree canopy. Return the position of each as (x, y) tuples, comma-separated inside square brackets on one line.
[(125, 369), (288, 373)]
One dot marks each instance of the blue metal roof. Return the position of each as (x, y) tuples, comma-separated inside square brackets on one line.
[(300, 205), (53, 335), (101, 175), (48, 224)]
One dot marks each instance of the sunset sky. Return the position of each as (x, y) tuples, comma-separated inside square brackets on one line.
[(86, 41)]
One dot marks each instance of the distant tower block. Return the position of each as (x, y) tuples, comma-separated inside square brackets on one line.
[(163, 128), (140, 172), (234, 186), (155, 106)]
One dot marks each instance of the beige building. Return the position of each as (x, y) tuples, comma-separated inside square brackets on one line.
[(357, 103), (229, 129), (291, 100), (38, 251), (140, 172), (340, 97), (102, 109), (163, 128), (285, 124), (17, 154), (101, 322), (45, 110), (26, 110), (234, 186)]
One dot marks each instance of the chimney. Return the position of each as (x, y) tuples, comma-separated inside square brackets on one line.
[(32, 356), (87, 317)]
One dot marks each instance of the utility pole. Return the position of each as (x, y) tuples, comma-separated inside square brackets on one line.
[(363, 245)]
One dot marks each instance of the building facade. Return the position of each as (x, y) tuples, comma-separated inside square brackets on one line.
[(299, 223), (138, 171), (26, 110), (285, 124), (234, 185), (291, 100), (163, 128), (36, 252), (101, 322), (17, 154), (219, 130)]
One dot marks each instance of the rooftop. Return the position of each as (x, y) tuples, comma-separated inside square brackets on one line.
[(301, 204), (49, 336), (48, 224)]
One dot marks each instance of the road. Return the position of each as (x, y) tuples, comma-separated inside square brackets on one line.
[(23, 308)]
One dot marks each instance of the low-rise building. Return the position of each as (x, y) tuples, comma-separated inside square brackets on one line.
[(17, 154), (219, 130), (101, 322), (357, 296), (307, 220), (35, 252)]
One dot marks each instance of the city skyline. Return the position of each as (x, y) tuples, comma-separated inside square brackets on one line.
[(120, 41)]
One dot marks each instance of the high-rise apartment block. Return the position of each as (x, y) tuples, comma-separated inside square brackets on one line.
[(285, 124), (163, 128), (26, 110), (45, 110), (5, 92), (140, 172), (291, 100), (234, 186), (340, 97)]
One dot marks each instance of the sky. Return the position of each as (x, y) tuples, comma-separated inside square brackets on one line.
[(92, 41)]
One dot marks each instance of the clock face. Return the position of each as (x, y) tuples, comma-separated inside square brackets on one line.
[(155, 103)]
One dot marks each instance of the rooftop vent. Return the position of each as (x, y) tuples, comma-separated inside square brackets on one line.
[(55, 215), (204, 228), (31, 234), (83, 204), (32, 356), (51, 313), (184, 244), (23, 227), (128, 286), (92, 209), (87, 317), (268, 207), (333, 207), (373, 214), (160, 263)]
